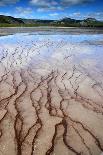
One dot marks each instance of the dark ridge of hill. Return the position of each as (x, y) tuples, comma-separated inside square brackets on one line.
[(10, 20), (65, 22)]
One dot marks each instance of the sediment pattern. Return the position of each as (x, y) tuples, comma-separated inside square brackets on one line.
[(49, 103)]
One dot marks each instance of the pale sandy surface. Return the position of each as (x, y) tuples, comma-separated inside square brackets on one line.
[(51, 95)]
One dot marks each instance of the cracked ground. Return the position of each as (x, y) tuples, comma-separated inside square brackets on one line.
[(51, 95)]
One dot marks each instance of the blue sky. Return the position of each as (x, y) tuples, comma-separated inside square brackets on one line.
[(52, 9)]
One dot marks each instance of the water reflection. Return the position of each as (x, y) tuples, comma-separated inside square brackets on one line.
[(44, 46)]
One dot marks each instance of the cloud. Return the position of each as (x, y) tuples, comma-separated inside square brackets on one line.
[(54, 14), (52, 8), (20, 12), (78, 15), (47, 5), (97, 15), (23, 12), (5, 13), (74, 2), (7, 2)]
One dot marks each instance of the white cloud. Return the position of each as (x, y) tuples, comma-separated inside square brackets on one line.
[(7, 2), (74, 2), (47, 4), (5, 13), (22, 10), (40, 3), (77, 14), (54, 14), (52, 8), (97, 15)]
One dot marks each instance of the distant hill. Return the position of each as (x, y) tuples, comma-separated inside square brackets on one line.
[(34, 21), (10, 20), (89, 22), (65, 22)]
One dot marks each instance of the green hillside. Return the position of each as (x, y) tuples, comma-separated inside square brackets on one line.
[(8, 21)]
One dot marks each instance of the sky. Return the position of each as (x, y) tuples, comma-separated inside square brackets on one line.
[(52, 9)]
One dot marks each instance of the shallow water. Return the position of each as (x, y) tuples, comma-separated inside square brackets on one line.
[(51, 92)]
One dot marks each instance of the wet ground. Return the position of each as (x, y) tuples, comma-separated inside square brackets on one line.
[(50, 30), (51, 94)]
